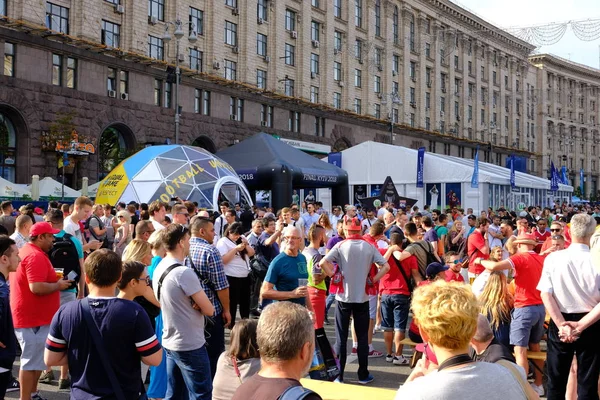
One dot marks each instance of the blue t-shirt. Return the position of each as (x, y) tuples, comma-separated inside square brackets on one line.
[(127, 335), (78, 245), (284, 272), (269, 252)]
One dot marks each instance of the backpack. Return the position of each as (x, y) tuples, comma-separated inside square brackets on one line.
[(431, 258), (64, 255), (296, 393)]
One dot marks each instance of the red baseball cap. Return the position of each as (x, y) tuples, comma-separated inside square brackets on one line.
[(39, 228)]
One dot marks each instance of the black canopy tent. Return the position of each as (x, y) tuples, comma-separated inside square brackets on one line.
[(266, 163)]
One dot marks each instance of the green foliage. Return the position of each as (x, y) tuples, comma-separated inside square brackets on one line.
[(61, 130)]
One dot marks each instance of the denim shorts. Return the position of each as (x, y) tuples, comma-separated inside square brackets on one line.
[(394, 312), (527, 325)]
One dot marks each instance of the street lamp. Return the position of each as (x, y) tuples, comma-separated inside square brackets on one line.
[(394, 99), (192, 38)]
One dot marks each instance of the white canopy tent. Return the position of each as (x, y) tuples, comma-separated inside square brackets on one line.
[(49, 187), (14, 190), (92, 190), (369, 163)]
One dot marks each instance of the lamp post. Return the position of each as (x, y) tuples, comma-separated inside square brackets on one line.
[(394, 99), (192, 38)]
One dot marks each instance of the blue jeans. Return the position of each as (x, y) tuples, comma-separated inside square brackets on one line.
[(394, 312), (188, 375), (329, 302)]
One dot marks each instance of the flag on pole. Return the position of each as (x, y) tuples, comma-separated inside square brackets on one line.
[(564, 178), (554, 179), (420, 162), (475, 177), (581, 179), (512, 171)]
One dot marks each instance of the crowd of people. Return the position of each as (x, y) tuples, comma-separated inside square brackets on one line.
[(133, 301)]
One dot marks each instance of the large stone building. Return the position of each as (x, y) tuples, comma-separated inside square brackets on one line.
[(568, 113), (333, 73)]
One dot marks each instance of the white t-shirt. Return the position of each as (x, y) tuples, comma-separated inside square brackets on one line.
[(238, 266), (72, 228), (475, 381), (367, 223)]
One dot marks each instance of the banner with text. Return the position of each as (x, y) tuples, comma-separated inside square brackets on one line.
[(420, 161)]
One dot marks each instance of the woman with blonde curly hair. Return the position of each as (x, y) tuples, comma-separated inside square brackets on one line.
[(447, 314), (123, 232), (496, 304)]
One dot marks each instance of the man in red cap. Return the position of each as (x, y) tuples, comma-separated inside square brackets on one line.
[(34, 299), (354, 257), (527, 322)]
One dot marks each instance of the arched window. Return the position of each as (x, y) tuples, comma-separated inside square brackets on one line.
[(395, 24), (8, 147), (113, 148)]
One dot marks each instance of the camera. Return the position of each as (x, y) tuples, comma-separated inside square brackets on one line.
[(239, 241), (285, 225)]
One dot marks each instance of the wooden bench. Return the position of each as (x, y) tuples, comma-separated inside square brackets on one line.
[(408, 342), (336, 391)]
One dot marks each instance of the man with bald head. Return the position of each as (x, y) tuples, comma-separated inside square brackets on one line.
[(485, 347)]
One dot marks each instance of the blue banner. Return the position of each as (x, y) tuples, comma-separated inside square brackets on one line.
[(475, 177), (581, 179), (512, 172), (420, 162), (554, 179), (335, 159), (563, 173)]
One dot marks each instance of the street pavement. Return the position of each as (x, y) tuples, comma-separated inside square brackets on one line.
[(386, 374)]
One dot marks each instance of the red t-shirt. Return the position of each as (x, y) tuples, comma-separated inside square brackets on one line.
[(31, 310), (452, 276), (528, 270), (541, 238), (413, 326), (393, 282), (476, 243)]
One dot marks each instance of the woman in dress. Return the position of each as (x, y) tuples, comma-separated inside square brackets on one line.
[(123, 232)]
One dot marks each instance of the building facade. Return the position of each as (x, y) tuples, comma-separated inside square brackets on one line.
[(334, 72), (568, 113)]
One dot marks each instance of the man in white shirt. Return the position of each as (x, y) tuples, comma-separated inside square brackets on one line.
[(82, 210), (157, 211), (220, 221), (570, 289), (310, 217), (369, 221), (494, 233)]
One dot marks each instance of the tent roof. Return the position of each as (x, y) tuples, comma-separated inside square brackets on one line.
[(9, 189), (370, 162), (50, 187), (261, 155)]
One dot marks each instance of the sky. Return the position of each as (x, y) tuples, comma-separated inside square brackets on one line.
[(527, 13)]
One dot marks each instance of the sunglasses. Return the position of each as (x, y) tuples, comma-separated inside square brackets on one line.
[(554, 230)]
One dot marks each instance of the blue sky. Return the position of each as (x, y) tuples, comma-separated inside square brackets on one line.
[(525, 13)]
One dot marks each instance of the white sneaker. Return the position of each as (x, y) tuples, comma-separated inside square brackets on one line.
[(538, 389), (400, 361), (389, 358)]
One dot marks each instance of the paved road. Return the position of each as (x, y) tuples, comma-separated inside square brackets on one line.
[(386, 374)]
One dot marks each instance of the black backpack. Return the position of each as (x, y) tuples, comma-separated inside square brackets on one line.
[(64, 255)]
